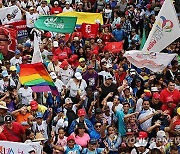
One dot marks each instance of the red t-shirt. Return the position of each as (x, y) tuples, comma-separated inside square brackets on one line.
[(165, 93), (2, 137), (15, 133), (62, 54), (170, 110), (120, 78), (56, 10)]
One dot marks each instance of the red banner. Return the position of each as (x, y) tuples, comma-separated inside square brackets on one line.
[(114, 47), (89, 30), (20, 26)]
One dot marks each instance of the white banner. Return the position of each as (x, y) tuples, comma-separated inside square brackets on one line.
[(37, 57), (154, 61), (7, 147), (14, 11), (165, 29)]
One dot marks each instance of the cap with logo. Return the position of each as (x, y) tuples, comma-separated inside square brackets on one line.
[(34, 105), (8, 118), (81, 112)]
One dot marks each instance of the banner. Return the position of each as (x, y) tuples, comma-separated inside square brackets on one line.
[(56, 24), (84, 17), (89, 30), (37, 57), (7, 147), (20, 26), (154, 61), (165, 29), (14, 11), (8, 40), (114, 47)]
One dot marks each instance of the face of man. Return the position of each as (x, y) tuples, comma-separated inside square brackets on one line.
[(171, 86), (9, 125), (4, 42), (146, 105)]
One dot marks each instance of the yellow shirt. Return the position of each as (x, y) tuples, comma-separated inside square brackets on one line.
[(41, 108)]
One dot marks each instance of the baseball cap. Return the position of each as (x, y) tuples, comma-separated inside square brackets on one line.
[(169, 99), (17, 52), (129, 132), (108, 66), (13, 68), (34, 105), (64, 64), (118, 25), (142, 135), (109, 76), (68, 100), (4, 73), (132, 71), (3, 105), (55, 44), (71, 137), (56, 2), (147, 93), (39, 115), (80, 3), (90, 67), (48, 34), (78, 76), (178, 110), (98, 111), (81, 112), (67, 3), (161, 134), (156, 95), (99, 41), (76, 39), (92, 141), (141, 143), (53, 75), (31, 8), (81, 60), (8, 118), (154, 89), (27, 44)]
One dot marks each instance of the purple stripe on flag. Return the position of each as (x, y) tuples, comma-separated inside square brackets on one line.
[(40, 88)]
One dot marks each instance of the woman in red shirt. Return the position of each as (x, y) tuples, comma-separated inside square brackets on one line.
[(56, 9), (106, 36)]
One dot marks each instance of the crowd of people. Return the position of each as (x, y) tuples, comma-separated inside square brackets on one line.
[(105, 104)]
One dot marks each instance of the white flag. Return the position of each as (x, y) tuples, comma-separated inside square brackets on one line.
[(154, 61), (165, 29), (37, 57)]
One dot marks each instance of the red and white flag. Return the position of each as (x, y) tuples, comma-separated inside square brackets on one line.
[(89, 30), (114, 47)]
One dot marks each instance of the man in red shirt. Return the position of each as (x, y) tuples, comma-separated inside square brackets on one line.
[(56, 9), (12, 130), (170, 91)]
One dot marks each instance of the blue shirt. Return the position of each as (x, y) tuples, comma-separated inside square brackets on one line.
[(119, 34), (76, 149), (96, 151)]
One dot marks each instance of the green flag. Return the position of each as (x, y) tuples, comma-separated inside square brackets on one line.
[(143, 40), (1, 56), (56, 24)]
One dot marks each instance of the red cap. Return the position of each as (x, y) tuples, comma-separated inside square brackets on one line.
[(63, 64), (55, 58), (81, 112), (34, 105), (148, 93), (48, 34), (156, 96), (169, 99), (74, 57), (118, 25), (71, 137), (90, 67), (143, 135), (95, 52)]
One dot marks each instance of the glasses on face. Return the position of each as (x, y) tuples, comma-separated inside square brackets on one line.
[(98, 126)]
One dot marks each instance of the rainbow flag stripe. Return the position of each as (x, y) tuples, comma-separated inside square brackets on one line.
[(37, 77)]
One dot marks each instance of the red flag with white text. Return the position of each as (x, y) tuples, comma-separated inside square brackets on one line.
[(114, 47), (89, 30)]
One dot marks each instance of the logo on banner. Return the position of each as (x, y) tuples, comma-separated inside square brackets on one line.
[(166, 26), (54, 23), (88, 29)]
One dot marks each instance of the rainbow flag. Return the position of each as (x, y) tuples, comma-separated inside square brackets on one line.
[(37, 77)]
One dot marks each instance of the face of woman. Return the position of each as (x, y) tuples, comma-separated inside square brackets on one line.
[(111, 130), (71, 144), (81, 131), (132, 119), (61, 133), (106, 30)]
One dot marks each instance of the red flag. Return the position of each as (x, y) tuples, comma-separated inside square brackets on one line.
[(9, 38), (114, 47), (89, 30)]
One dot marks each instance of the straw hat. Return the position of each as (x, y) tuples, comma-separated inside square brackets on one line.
[(3, 105), (39, 137)]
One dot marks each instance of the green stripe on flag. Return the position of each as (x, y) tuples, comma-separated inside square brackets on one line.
[(1, 56), (143, 40)]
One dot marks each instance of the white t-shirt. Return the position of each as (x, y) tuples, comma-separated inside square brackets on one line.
[(15, 61), (66, 75), (41, 128), (68, 10), (4, 85), (31, 19), (75, 88), (59, 85), (153, 146), (53, 68), (43, 10), (26, 95), (6, 21)]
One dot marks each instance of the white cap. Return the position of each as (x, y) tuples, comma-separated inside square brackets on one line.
[(99, 41), (78, 75), (109, 76), (161, 134), (108, 66), (56, 2), (80, 3), (154, 89), (67, 3), (69, 100), (55, 44), (53, 75), (141, 143), (76, 39)]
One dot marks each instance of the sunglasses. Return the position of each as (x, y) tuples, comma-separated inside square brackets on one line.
[(98, 126)]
